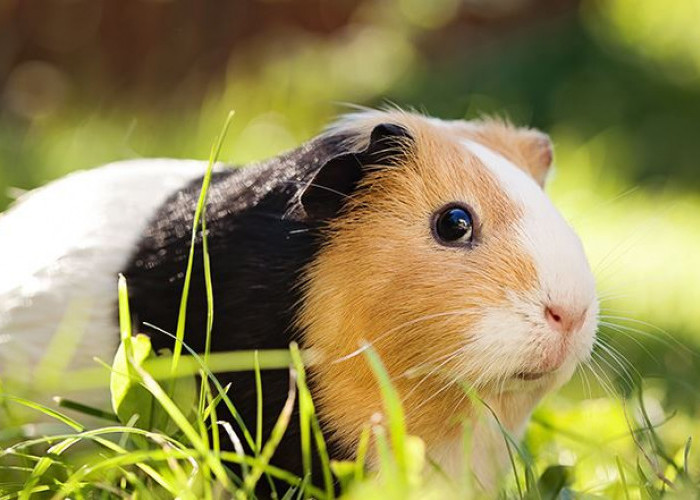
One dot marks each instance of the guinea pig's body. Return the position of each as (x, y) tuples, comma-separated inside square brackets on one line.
[(257, 252), (61, 247), (430, 240)]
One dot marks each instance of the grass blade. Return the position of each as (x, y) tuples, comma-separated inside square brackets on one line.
[(201, 202), (85, 409), (45, 410), (393, 408), (275, 437)]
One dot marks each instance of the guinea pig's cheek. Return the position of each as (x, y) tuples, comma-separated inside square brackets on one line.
[(497, 345)]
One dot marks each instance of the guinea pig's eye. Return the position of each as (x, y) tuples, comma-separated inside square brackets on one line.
[(453, 225)]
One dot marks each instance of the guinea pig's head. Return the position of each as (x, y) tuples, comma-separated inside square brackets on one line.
[(444, 253)]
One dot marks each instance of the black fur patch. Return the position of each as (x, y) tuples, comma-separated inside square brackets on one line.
[(258, 248), (259, 243)]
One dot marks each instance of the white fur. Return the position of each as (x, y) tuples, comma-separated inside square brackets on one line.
[(565, 278), (67, 243)]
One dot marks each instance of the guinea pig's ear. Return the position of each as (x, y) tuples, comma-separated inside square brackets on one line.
[(536, 149), (529, 149), (339, 176)]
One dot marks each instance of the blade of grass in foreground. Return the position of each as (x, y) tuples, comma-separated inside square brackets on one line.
[(68, 440), (275, 472), (393, 408), (275, 437), (125, 318), (259, 409), (161, 367), (45, 410), (361, 454), (182, 316), (183, 424), (136, 458), (308, 421), (85, 409), (209, 289), (210, 412), (221, 392), (93, 435), (623, 477), (509, 442)]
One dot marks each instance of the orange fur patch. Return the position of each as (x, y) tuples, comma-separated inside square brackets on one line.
[(382, 278), (529, 149)]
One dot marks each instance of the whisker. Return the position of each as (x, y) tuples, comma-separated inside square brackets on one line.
[(671, 338), (616, 354), (618, 329), (311, 184), (603, 266), (584, 382), (451, 356), (437, 358), (617, 310), (603, 379), (604, 363), (605, 204), (435, 394), (623, 374), (411, 322), (614, 292)]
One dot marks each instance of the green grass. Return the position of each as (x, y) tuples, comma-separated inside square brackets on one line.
[(606, 435)]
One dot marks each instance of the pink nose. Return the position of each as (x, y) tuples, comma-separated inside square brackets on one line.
[(564, 320)]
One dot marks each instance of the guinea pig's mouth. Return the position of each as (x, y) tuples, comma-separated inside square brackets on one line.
[(531, 375)]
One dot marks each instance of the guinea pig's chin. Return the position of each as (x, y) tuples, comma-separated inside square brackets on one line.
[(538, 381), (557, 360), (556, 370)]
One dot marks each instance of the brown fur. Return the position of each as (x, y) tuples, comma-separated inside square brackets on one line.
[(529, 149), (402, 282)]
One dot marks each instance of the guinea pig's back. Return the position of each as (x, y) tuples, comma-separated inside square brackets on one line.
[(61, 248), (256, 249)]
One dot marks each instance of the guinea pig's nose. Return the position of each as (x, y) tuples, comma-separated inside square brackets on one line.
[(564, 320)]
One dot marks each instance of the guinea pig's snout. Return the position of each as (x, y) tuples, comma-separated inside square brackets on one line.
[(564, 320)]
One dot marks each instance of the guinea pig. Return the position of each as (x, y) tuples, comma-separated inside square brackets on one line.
[(433, 241)]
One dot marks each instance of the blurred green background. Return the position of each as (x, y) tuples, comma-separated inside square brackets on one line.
[(615, 82)]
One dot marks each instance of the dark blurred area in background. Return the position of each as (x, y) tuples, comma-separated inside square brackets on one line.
[(168, 53), (615, 82), (540, 62)]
